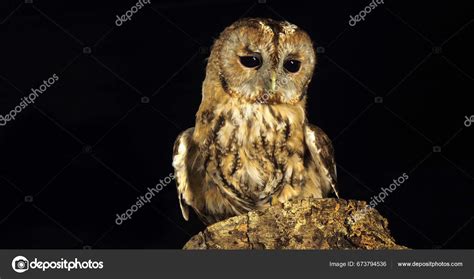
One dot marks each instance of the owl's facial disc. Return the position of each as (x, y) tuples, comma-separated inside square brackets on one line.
[(265, 61)]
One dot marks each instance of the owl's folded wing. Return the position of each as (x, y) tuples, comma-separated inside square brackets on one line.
[(322, 153), (181, 157)]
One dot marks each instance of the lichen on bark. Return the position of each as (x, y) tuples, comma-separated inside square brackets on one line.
[(302, 224)]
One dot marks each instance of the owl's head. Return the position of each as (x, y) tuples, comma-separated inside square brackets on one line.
[(263, 61)]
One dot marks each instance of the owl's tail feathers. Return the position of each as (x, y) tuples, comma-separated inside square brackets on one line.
[(180, 160), (332, 176), (322, 152), (334, 189), (184, 208)]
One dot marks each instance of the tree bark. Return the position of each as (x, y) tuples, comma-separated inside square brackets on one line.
[(304, 224)]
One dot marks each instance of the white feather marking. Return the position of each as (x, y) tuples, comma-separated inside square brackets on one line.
[(179, 164)]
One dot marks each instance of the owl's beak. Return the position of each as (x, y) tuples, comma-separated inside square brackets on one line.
[(273, 81)]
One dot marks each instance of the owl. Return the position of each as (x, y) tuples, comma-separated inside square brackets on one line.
[(252, 146)]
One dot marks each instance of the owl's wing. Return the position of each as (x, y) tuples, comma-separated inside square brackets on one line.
[(322, 153), (181, 158)]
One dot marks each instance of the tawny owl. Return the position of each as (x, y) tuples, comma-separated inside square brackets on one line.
[(252, 145)]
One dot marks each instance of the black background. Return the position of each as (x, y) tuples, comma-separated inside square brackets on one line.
[(92, 143)]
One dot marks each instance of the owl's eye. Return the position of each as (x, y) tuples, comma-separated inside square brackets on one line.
[(252, 61), (292, 65)]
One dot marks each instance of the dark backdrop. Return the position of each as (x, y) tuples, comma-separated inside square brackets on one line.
[(392, 92)]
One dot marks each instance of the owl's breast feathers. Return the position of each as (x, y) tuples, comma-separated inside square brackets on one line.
[(241, 157)]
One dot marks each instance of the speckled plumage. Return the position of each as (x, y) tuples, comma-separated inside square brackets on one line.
[(251, 145)]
